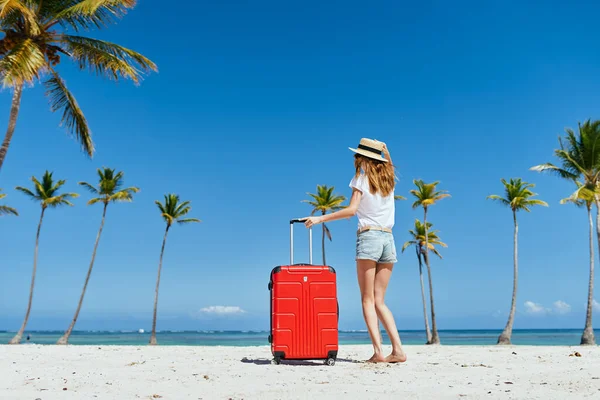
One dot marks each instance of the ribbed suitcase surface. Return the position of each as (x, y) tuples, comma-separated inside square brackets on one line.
[(304, 312)]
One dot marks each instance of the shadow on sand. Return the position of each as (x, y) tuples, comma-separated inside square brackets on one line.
[(315, 363)]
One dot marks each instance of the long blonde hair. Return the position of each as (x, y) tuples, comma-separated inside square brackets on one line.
[(380, 174)]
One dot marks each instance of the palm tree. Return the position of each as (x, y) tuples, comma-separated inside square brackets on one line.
[(585, 196), (518, 197), (109, 190), (172, 211), (37, 35), (418, 240), (6, 210), (579, 157), (325, 201), (427, 195), (46, 193)]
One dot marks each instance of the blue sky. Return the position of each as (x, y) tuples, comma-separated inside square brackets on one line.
[(255, 105)]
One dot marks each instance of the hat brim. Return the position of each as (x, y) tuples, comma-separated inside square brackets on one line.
[(369, 154)]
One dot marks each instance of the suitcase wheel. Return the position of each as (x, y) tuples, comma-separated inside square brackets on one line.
[(330, 362), (276, 361)]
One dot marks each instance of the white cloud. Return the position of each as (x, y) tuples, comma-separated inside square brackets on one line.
[(222, 310), (560, 307), (534, 308), (595, 305)]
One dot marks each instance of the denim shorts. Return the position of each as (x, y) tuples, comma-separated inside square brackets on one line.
[(377, 246)]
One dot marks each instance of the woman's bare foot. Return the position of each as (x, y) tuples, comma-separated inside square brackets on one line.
[(376, 358), (396, 358)]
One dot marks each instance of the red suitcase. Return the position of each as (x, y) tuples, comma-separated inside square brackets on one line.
[(304, 310)]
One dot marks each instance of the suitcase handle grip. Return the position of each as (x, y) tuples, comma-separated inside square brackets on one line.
[(299, 221), (305, 269)]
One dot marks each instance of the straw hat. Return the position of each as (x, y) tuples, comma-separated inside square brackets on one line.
[(370, 148)]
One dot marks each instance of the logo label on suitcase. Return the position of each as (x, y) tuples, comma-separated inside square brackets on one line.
[(306, 279)]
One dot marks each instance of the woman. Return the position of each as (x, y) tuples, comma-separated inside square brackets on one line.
[(373, 201)]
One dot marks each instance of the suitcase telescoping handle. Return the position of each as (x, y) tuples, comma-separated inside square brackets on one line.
[(299, 221)]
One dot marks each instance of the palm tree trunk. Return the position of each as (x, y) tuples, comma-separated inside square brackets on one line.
[(323, 242), (588, 333), (65, 338), (427, 329), (19, 335), (12, 122), (162, 251), (435, 338), (506, 334)]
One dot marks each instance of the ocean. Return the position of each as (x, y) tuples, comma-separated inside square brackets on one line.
[(535, 337)]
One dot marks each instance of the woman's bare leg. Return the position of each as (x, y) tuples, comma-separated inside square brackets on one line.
[(366, 281), (383, 273)]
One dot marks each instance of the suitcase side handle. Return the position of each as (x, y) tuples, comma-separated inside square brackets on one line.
[(299, 221)]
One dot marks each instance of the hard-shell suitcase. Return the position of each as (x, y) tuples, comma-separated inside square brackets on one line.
[(304, 310)]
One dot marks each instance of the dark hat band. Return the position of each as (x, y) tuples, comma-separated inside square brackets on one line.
[(371, 149)]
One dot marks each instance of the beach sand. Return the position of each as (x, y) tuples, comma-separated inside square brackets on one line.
[(445, 372)]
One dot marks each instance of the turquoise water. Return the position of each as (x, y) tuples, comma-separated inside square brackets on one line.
[(549, 337)]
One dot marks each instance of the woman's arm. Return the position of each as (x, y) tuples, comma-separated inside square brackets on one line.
[(347, 212), (386, 153)]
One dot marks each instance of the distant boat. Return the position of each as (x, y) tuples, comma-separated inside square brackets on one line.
[(140, 331)]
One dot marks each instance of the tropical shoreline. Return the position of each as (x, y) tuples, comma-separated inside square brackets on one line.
[(440, 372), (465, 337)]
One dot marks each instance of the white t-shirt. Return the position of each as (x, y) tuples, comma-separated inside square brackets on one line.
[(373, 210)]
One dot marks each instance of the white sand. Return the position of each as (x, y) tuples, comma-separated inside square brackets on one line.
[(447, 372)]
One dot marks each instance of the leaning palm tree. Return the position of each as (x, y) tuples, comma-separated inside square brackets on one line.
[(518, 197), (110, 190), (46, 193), (172, 211), (418, 241), (325, 201), (579, 158), (585, 196), (6, 210), (37, 33), (426, 195)]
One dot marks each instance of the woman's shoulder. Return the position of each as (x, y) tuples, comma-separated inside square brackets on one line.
[(358, 181)]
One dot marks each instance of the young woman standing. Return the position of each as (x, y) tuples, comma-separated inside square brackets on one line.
[(373, 202)]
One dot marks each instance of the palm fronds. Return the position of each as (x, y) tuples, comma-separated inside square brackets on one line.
[(87, 14), (418, 238), (6, 210), (518, 195), (107, 59), (584, 195), (578, 154), (46, 192), (173, 211), (426, 194), (61, 98), (37, 34), (109, 188), (22, 64), (325, 201)]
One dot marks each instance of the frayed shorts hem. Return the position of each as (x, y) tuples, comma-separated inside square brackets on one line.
[(378, 261)]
